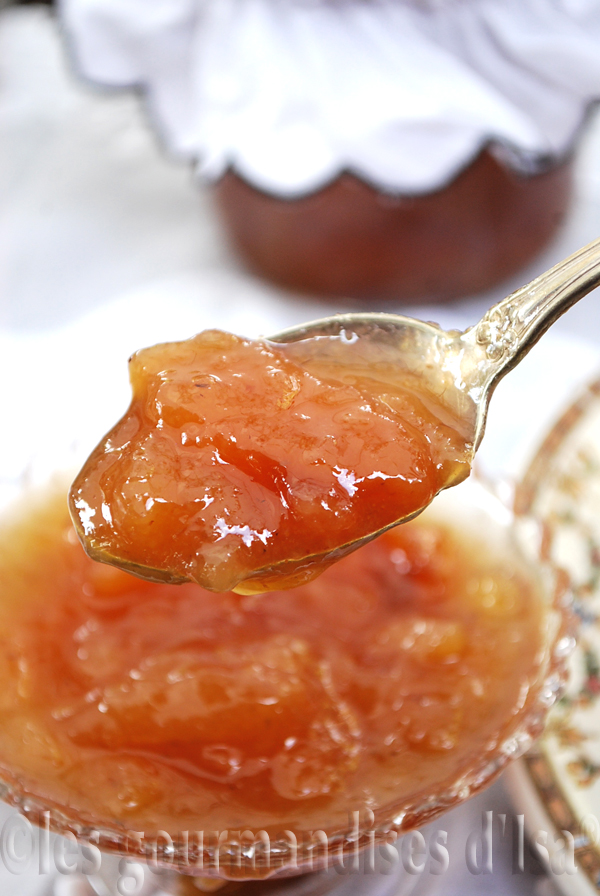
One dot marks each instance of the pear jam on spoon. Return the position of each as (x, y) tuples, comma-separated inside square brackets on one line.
[(253, 465)]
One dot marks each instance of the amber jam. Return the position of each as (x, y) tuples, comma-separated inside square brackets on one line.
[(250, 465), (153, 706)]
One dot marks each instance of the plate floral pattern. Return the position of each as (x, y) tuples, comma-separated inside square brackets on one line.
[(561, 490)]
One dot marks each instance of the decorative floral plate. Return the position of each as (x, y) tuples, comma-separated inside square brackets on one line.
[(557, 784)]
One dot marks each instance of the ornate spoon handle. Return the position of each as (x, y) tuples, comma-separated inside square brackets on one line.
[(508, 330)]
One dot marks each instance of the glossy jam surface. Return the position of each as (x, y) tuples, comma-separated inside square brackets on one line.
[(251, 465), (154, 706)]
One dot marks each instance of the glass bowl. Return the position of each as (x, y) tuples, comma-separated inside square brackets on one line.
[(184, 863)]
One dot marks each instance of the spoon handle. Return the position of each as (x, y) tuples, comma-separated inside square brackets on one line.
[(509, 329)]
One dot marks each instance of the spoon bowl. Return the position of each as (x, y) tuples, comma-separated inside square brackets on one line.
[(466, 366)]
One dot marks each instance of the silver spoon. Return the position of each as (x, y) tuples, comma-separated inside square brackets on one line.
[(461, 369)]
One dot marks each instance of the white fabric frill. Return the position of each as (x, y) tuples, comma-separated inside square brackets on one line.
[(403, 93)]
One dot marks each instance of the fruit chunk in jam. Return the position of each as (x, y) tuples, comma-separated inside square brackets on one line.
[(225, 711), (252, 465), (159, 707)]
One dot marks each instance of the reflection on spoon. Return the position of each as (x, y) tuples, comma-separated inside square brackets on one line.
[(255, 465)]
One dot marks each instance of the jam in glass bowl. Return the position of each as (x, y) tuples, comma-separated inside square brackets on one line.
[(224, 738)]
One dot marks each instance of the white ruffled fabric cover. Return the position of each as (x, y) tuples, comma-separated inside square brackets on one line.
[(402, 92)]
